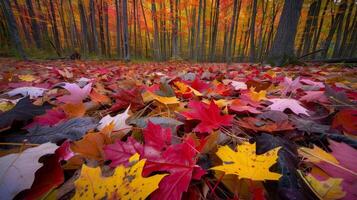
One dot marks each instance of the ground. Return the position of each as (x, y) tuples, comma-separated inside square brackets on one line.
[(175, 130)]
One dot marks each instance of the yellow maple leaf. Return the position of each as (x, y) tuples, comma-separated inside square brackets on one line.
[(329, 189), (149, 96), (126, 183), (246, 163), (28, 77), (257, 96), (184, 88), (316, 154)]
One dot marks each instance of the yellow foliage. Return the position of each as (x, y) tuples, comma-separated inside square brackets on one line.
[(27, 77), (246, 163), (257, 96), (149, 96), (126, 183), (316, 154), (329, 189), (5, 106), (184, 88)]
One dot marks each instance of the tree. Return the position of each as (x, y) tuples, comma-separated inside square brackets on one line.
[(156, 31), (125, 29), (252, 31), (11, 23), (35, 28), (93, 26), (284, 40), (118, 28)]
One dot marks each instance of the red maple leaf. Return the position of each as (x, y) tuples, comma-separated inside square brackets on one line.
[(209, 115), (346, 120), (178, 159), (124, 98), (50, 118)]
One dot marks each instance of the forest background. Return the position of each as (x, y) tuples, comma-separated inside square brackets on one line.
[(198, 30)]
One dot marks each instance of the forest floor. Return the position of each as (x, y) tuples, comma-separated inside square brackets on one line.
[(177, 130)]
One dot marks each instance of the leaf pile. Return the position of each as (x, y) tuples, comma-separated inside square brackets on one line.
[(177, 131)]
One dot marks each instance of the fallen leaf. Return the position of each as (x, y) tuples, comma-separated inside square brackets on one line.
[(77, 94), (346, 120), (209, 116), (74, 110), (246, 163), (119, 122), (125, 183), (17, 171), (292, 104), (33, 92)]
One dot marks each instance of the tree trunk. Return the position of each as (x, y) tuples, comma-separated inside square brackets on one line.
[(174, 30), (336, 22), (317, 33), (283, 45), (14, 33), (156, 31), (338, 52), (214, 31), (74, 29), (93, 26), (203, 38), (252, 31), (118, 27), (23, 25), (125, 29), (54, 28), (228, 55), (197, 40), (106, 19), (101, 28), (84, 26), (34, 26)]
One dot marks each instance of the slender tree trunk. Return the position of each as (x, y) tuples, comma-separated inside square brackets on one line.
[(55, 29), (236, 31), (174, 30), (203, 37), (118, 27), (317, 33), (252, 31), (260, 40), (14, 33), (23, 25), (125, 35), (156, 31), (197, 39), (75, 32), (93, 26), (228, 55), (106, 19), (336, 22), (284, 40), (84, 26), (101, 28), (214, 33), (35, 28), (63, 23), (146, 27), (339, 51)]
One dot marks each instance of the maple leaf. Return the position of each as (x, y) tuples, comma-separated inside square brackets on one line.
[(17, 171), (314, 96), (99, 98), (50, 118), (241, 106), (290, 85), (24, 110), (33, 92), (246, 163), (198, 84), (329, 189), (126, 183), (338, 164), (149, 96), (256, 96), (74, 110), (185, 91), (238, 85), (346, 120), (124, 98), (178, 160), (77, 94), (118, 121), (256, 124), (209, 116), (292, 104), (27, 77)]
